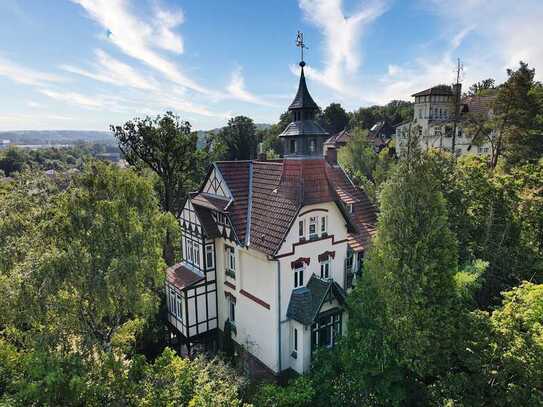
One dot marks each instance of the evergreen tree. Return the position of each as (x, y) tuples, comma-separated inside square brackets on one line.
[(405, 310)]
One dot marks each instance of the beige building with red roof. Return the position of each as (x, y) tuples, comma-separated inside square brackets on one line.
[(271, 249)]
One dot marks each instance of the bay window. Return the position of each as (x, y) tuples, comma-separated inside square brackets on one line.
[(326, 331)]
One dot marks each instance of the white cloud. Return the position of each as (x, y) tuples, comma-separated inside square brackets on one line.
[(138, 38), (342, 36), (74, 98), (236, 89), (164, 37), (24, 75), (34, 105), (508, 33), (110, 70)]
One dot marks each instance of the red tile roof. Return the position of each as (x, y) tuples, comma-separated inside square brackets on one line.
[(182, 277), (280, 188), (236, 176), (339, 139)]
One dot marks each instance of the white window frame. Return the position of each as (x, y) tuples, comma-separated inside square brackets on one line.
[(231, 259), (326, 266), (210, 258), (301, 229), (324, 224), (299, 277), (313, 222), (232, 311), (174, 303), (192, 252)]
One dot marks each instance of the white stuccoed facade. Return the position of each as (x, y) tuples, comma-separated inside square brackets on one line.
[(433, 124)]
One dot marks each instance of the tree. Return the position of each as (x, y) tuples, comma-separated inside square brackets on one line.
[(519, 136), (368, 168), (93, 272), (394, 112), (238, 141), (269, 138), (504, 362), (334, 118), (403, 313), (482, 88), (495, 218), (13, 160), (166, 145)]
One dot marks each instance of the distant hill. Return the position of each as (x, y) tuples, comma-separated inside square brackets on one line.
[(57, 136), (41, 137)]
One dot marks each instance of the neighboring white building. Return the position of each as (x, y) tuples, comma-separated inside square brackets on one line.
[(433, 122), (271, 249)]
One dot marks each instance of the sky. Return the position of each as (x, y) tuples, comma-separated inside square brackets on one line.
[(87, 64)]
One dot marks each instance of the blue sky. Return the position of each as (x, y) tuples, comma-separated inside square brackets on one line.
[(85, 64)]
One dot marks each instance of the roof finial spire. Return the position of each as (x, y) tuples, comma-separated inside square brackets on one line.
[(300, 44)]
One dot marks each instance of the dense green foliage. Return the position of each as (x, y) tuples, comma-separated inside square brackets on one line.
[(368, 168), (237, 140), (443, 313), (14, 160), (81, 272), (394, 112), (334, 118), (165, 146)]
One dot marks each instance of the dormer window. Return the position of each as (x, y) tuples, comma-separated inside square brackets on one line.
[(292, 146)]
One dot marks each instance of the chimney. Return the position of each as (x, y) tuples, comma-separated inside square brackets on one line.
[(330, 155)]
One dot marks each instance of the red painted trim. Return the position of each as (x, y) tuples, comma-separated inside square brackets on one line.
[(310, 241), (229, 284), (300, 262), (255, 299), (324, 256), (313, 210)]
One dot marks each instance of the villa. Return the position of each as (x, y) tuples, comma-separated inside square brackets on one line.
[(271, 249)]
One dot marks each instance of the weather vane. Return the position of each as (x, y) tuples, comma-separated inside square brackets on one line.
[(300, 44)]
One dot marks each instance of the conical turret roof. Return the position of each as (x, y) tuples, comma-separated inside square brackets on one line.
[(303, 99)]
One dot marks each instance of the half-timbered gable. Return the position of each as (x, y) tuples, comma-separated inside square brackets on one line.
[(215, 184)]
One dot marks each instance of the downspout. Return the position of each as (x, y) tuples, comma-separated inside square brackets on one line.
[(279, 315)]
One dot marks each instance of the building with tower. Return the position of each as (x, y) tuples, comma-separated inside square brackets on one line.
[(434, 118), (271, 249)]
